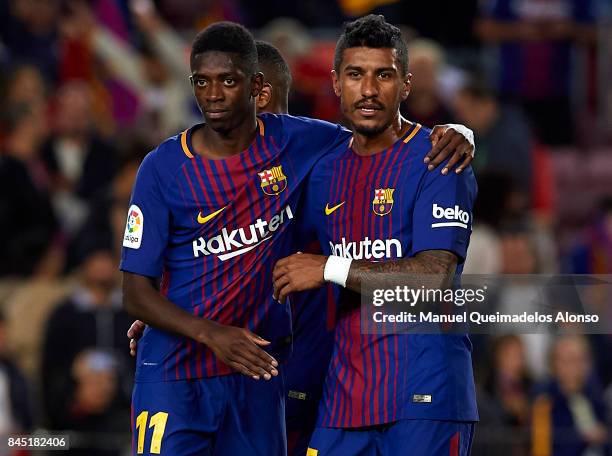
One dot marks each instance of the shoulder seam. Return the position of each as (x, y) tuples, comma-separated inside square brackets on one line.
[(184, 160)]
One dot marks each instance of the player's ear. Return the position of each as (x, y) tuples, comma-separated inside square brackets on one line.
[(336, 83), (264, 97), (257, 83), (406, 86)]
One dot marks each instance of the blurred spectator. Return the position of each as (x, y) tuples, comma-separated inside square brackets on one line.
[(157, 73), (509, 380), (569, 415), (27, 222), (312, 89), (105, 224), (505, 146), (504, 400), (78, 161), (524, 253), (111, 103), (499, 203), (91, 317), (311, 86), (506, 241), (289, 36), (593, 254), (501, 133), (25, 85), (521, 255), (166, 54), (425, 105), (518, 253), (28, 29), (27, 310), (535, 44), (15, 401), (93, 405)]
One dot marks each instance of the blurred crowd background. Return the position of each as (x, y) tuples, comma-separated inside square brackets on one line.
[(87, 88)]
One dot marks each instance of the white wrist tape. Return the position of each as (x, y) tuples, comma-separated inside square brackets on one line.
[(465, 131), (337, 270)]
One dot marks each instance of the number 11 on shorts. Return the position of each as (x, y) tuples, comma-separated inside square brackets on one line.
[(158, 423)]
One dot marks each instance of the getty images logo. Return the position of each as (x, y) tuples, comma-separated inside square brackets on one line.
[(454, 216)]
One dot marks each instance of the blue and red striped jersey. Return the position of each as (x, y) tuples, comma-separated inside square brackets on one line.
[(213, 230), (382, 207)]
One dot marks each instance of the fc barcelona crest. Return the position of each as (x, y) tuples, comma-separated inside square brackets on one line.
[(273, 181), (383, 201)]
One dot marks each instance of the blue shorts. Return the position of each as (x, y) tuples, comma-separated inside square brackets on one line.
[(313, 343), (301, 417), (414, 437), (225, 415)]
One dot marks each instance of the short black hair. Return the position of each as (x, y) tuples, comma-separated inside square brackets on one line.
[(371, 31), (271, 59), (227, 37)]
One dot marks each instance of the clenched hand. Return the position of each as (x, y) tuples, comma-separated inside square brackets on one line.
[(298, 272)]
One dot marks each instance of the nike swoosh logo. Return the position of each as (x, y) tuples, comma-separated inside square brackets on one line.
[(329, 210), (203, 220), (235, 253)]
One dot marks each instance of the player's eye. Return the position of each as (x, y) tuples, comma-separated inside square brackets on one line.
[(200, 82), (229, 82), (384, 75), (353, 74)]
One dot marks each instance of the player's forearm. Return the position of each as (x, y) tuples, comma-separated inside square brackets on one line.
[(144, 302), (303, 271), (435, 267)]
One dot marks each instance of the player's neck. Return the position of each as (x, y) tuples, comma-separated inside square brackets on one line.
[(217, 145), (371, 145)]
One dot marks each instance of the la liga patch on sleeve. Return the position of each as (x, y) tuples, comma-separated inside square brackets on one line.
[(133, 228)]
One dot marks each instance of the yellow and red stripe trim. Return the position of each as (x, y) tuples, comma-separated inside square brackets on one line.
[(414, 131), (184, 145)]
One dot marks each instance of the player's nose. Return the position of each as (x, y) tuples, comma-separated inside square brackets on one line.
[(369, 87), (214, 92)]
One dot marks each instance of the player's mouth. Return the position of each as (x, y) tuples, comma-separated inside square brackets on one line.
[(368, 109), (216, 113)]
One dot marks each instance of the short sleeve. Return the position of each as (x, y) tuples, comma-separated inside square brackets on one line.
[(443, 212), (148, 224)]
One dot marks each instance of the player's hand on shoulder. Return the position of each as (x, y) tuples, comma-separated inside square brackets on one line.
[(298, 272), (134, 334), (450, 140), (240, 349)]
